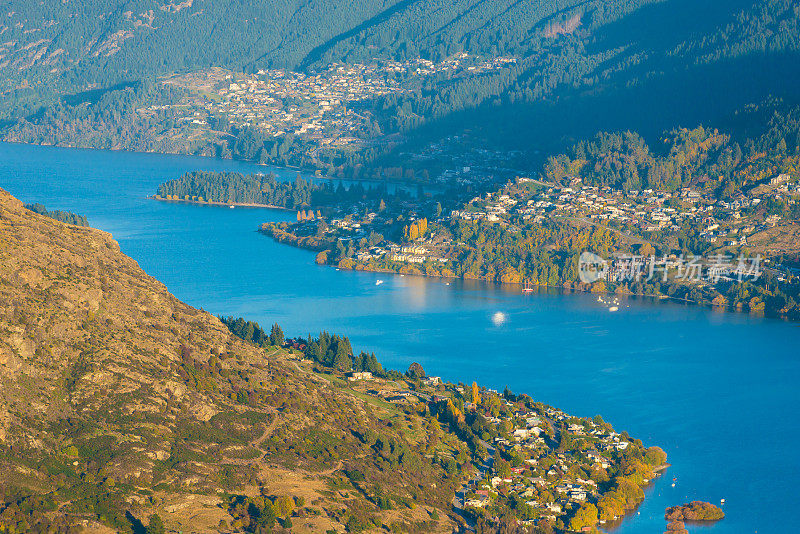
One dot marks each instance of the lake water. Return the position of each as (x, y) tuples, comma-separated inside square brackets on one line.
[(718, 391)]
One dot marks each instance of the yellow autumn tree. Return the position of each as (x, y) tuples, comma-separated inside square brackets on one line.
[(415, 230), (453, 413), (283, 506), (476, 393), (585, 516), (510, 276)]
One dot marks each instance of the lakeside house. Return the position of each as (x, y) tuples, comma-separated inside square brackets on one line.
[(359, 375)]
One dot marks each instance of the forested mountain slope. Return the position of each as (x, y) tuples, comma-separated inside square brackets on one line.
[(575, 67), (80, 44), (643, 66)]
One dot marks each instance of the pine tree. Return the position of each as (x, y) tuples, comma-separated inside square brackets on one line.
[(341, 361), (276, 335)]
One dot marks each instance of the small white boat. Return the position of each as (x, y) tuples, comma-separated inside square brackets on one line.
[(378, 282), (673, 484), (613, 309), (231, 207), (528, 288), (722, 501)]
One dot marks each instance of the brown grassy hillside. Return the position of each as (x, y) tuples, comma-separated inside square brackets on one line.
[(118, 401)]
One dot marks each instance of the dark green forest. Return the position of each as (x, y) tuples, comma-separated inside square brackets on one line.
[(236, 188), (266, 189), (63, 216), (702, 157)]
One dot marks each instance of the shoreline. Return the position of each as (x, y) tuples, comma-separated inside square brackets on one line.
[(220, 204), (565, 287), (309, 171)]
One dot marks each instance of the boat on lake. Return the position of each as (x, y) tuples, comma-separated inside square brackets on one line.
[(527, 288)]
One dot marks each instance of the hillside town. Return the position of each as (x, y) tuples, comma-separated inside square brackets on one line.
[(720, 222), (322, 106), (545, 464), (723, 225)]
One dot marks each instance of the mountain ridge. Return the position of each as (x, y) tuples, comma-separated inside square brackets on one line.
[(120, 400)]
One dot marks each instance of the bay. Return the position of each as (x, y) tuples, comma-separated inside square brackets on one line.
[(717, 390)]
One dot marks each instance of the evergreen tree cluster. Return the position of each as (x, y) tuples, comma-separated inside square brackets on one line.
[(331, 350), (266, 189), (236, 188), (63, 216), (252, 332)]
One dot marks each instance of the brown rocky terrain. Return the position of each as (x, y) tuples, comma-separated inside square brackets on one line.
[(118, 401)]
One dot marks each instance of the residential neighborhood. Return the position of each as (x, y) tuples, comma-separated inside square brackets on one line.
[(320, 106), (540, 461)]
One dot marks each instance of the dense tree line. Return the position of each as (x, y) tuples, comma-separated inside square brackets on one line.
[(252, 332), (236, 188), (329, 350), (63, 216), (538, 254), (267, 189), (333, 351)]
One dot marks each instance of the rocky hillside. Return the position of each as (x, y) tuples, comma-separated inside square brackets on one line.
[(119, 402)]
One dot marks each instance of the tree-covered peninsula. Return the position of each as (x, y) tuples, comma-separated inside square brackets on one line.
[(237, 188), (726, 199), (266, 190)]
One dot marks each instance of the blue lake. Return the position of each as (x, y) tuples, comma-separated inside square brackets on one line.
[(718, 391)]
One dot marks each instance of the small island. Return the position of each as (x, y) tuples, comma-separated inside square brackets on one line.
[(693, 512)]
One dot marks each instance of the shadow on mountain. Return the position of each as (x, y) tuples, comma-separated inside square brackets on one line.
[(702, 94)]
